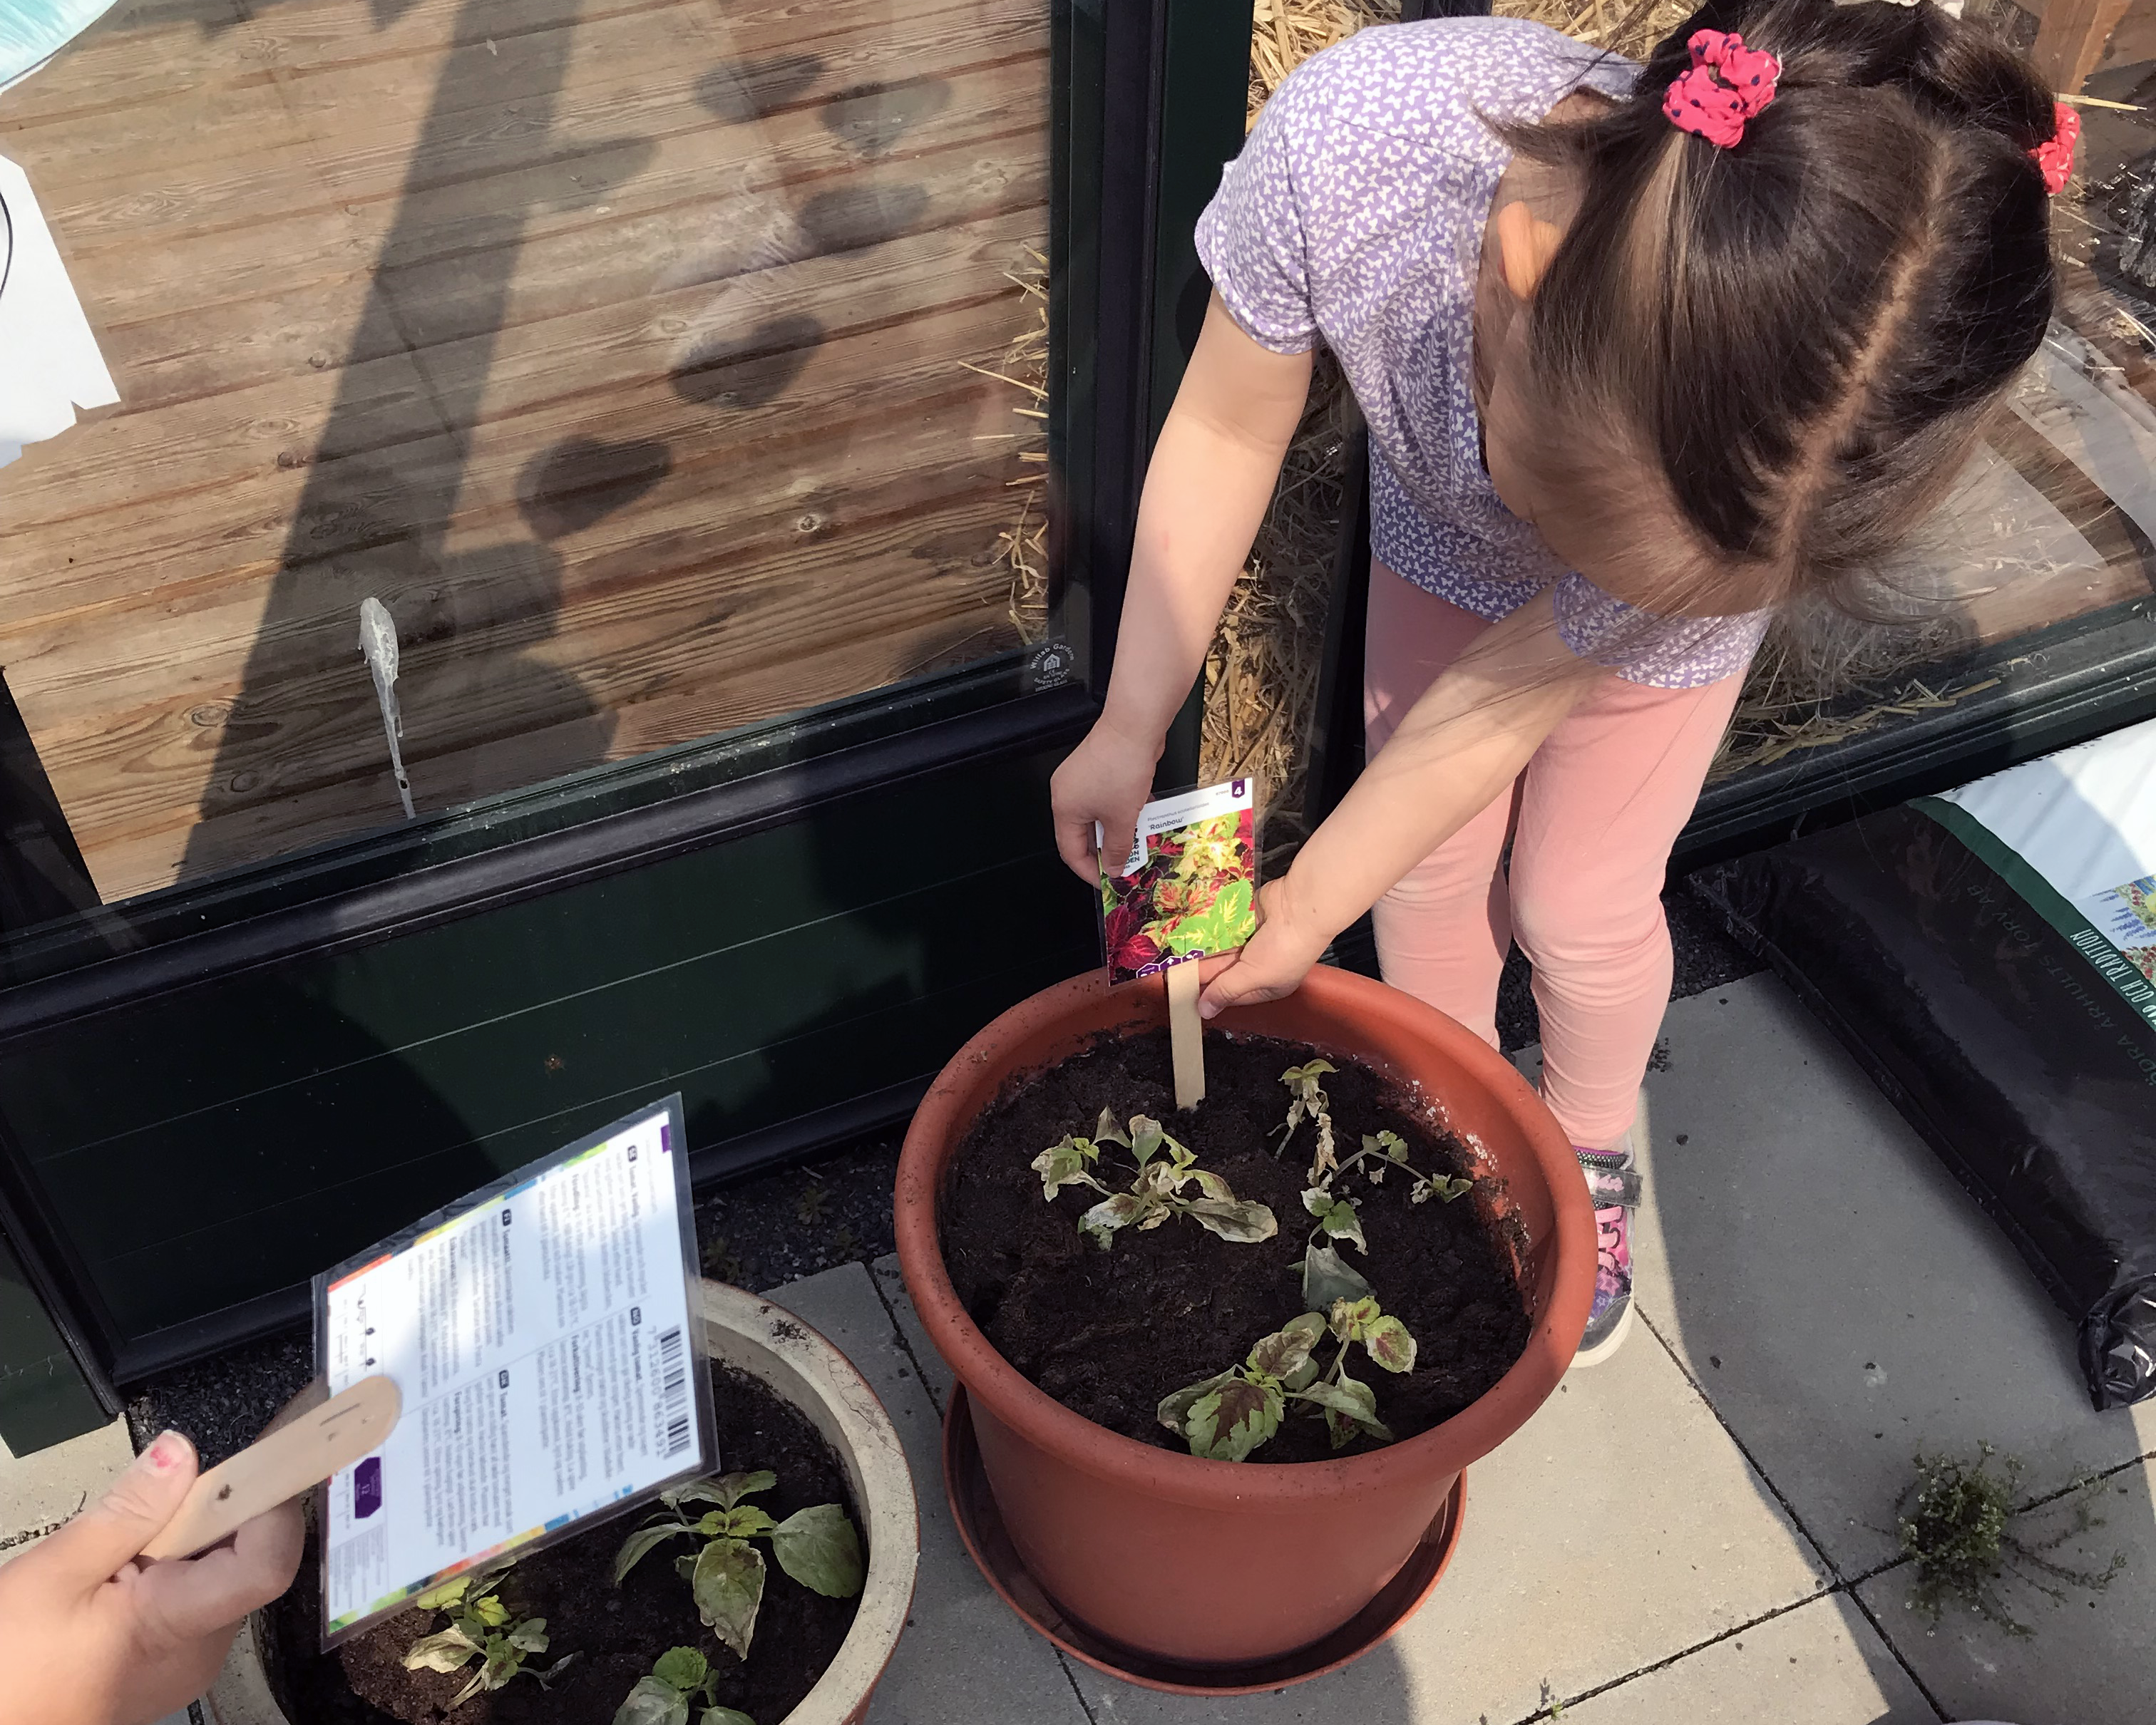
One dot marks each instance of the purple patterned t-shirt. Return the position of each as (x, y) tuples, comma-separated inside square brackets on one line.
[(1354, 216)]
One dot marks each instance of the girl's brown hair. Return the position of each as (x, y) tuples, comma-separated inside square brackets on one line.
[(1803, 334)]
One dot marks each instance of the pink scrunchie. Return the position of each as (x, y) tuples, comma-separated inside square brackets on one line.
[(2056, 157), (1728, 84)]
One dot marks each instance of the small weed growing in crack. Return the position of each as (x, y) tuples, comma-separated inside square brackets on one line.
[(1953, 1519)]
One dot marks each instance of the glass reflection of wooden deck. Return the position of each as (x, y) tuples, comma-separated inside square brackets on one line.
[(619, 348)]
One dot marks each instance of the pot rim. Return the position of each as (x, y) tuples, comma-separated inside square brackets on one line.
[(1244, 1486)]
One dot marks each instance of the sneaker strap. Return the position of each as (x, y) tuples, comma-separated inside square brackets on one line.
[(1610, 1178)]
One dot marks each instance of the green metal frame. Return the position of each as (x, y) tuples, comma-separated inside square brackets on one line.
[(207, 1094)]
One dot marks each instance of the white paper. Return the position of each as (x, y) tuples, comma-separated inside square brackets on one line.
[(540, 1344), (53, 365)]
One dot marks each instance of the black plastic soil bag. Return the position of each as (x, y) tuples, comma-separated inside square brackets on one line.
[(1946, 967)]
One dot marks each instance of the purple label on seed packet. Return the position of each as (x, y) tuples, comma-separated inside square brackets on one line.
[(665, 1141), (367, 1488)]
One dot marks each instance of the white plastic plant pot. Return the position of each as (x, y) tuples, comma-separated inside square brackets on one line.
[(770, 1344)]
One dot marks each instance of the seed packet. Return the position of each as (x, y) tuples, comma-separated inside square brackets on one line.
[(542, 1333), (1188, 889)]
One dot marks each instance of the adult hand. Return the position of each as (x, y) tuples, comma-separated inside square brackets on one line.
[(1274, 961), (1107, 779), (92, 1633)]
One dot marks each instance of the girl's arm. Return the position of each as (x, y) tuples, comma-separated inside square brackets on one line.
[(1206, 489), (1458, 749)]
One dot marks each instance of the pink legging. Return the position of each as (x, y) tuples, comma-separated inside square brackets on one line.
[(1591, 822)]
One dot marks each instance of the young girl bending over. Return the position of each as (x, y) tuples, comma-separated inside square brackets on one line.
[(1644, 352)]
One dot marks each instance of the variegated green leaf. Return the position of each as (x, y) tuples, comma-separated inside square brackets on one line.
[(1212, 1186), (1107, 1131), (1389, 1344), (732, 1487), (1283, 1352), (684, 1667), (1351, 1318), (747, 1523), (684, 1566), (1344, 1221), (1326, 1277), (546, 1677), (529, 1636), (491, 1611), (1228, 1423), (1175, 1405), (1391, 1144), (1349, 1407), (728, 1586), (1241, 1221), (1062, 1165), (1147, 1136), (441, 1598), (653, 1701), (639, 1544), (1120, 1211), (724, 1716), (819, 1548), (449, 1650)]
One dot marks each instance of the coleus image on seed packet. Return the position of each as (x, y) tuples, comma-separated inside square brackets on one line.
[(1188, 889)]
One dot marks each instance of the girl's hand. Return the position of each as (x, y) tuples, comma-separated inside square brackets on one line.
[(1107, 779), (1277, 958), (90, 1634)]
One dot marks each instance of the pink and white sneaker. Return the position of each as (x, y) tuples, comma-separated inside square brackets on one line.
[(1614, 1185)]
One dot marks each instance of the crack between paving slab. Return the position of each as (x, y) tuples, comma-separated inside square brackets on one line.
[(1063, 1659), (905, 1346), (1559, 1706), (1751, 1460), (1842, 1582)]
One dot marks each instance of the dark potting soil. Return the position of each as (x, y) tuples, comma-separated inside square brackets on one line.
[(1109, 1333), (616, 1633)]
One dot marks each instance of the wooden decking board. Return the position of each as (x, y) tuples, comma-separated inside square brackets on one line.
[(108, 72), (72, 683), (823, 663), (825, 199), (387, 495)]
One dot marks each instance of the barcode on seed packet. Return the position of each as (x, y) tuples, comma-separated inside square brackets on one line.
[(1188, 889), (673, 1392)]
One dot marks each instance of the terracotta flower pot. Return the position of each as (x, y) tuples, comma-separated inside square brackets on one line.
[(1222, 1563), (798, 1365)]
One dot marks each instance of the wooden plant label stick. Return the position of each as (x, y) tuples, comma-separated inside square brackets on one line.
[(1186, 1034), (279, 1468)]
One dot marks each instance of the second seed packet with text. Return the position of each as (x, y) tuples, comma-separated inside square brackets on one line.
[(1188, 889), (542, 1333)]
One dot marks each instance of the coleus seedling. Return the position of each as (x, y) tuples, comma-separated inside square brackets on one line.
[(1227, 1416), (1309, 1102), (1326, 1275), (1159, 1189), (679, 1677), (482, 1628), (816, 1547)]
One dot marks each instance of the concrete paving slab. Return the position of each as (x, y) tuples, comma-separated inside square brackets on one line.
[(892, 1286), (2090, 1660), (965, 1659), (1821, 1664), (1837, 1297), (39, 1491), (1568, 1577)]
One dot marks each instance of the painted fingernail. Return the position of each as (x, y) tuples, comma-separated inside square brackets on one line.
[(167, 1452)]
